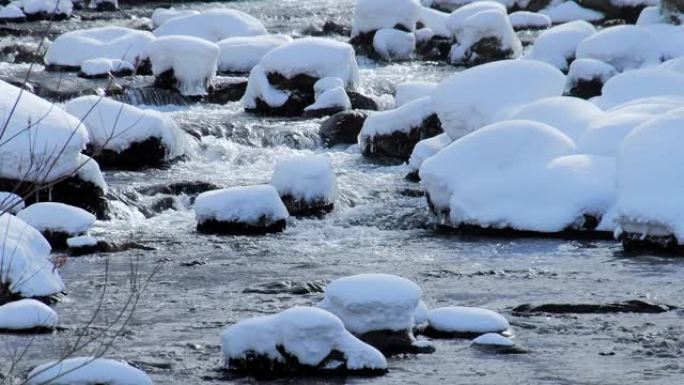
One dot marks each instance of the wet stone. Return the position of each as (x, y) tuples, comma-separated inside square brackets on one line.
[(343, 127), (391, 343), (288, 287), (262, 227), (633, 306)]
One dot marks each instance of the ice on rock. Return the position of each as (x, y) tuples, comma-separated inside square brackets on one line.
[(306, 184), (427, 148), (315, 338), (642, 83), (372, 15), (87, 370), (194, 63), (25, 267), (571, 11), (492, 92), (409, 91), (586, 77), (213, 25), (529, 20), (10, 203), (241, 210), (483, 37), (241, 54), (393, 44), (27, 315), (568, 114), (53, 217), (71, 49), (103, 67), (625, 47), (557, 46), (162, 15), (464, 322)]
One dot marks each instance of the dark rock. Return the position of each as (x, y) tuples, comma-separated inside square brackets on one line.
[(391, 343), (61, 68), (163, 204), (36, 330), (7, 296), (22, 53), (413, 176), (117, 74), (311, 114), (632, 306), (293, 107), (39, 16), (57, 239), (431, 332), (486, 50), (361, 102), (262, 227), (639, 243), (299, 82), (193, 263), (343, 127), (329, 28), (106, 7), (399, 145), (288, 287), (586, 89), (167, 81), (224, 92), (150, 153), (191, 188), (629, 13), (106, 247), (437, 48), (672, 10), (302, 208), (497, 349)]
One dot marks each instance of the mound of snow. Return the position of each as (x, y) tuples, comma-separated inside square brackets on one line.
[(329, 102), (313, 337), (11, 12), (27, 314), (474, 38), (104, 67), (670, 39), (458, 17), (87, 370), (10, 203), (557, 45), (435, 21), (52, 217), (625, 47), (393, 44), (529, 20), (373, 302), (650, 15), (213, 25), (117, 43), (241, 54), (427, 148), (466, 321), (492, 92), (25, 267), (306, 183), (193, 61), (587, 76), (372, 15), (493, 339), (642, 83), (115, 126), (571, 11), (409, 91), (46, 7), (162, 15)]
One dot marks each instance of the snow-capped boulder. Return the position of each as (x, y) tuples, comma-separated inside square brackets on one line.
[(104, 5), (328, 101), (625, 47), (25, 267), (297, 340), (306, 184), (571, 11), (434, 20), (529, 20), (642, 83), (12, 13), (241, 211), (392, 44), (586, 77), (213, 25), (42, 144), (70, 50), (650, 15), (104, 68), (464, 322), (497, 344), (57, 221), (241, 54), (433, 38), (409, 91), (373, 15), (484, 37), (87, 370), (492, 92), (649, 210), (283, 82), (27, 316), (557, 45), (424, 150), (184, 63), (162, 15), (672, 10), (392, 134), (343, 127), (10, 203), (45, 9), (377, 308), (82, 245), (125, 137)]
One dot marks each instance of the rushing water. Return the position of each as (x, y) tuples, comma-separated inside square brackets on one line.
[(379, 225)]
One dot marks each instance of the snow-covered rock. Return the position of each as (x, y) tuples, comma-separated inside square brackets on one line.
[(103, 68), (57, 221), (241, 210), (642, 83), (424, 150), (435, 21), (372, 15), (529, 20), (625, 47), (586, 77), (25, 267), (87, 370), (241, 54), (464, 322), (300, 339), (378, 308), (329, 101), (454, 22), (571, 11), (213, 25), (557, 45), (27, 315), (306, 184), (492, 92), (70, 50), (497, 344), (10, 203), (162, 15), (12, 13), (187, 64), (45, 9), (393, 44), (104, 5), (409, 91), (123, 136), (394, 133)]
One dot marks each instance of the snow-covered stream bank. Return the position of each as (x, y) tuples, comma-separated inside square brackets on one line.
[(380, 224)]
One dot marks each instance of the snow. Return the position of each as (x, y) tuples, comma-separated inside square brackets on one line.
[(525, 19), (427, 148), (625, 47), (458, 17), (401, 119), (116, 126), (557, 45), (59, 7), (435, 21), (421, 313), (162, 15), (241, 204), (213, 25), (307, 333), (333, 98), (24, 260), (570, 11), (89, 171), (589, 69), (491, 23), (10, 203), (27, 314), (373, 302), (670, 39), (46, 150), (650, 15), (87, 370), (103, 66), (412, 90), (327, 84), (642, 83), (460, 319), (194, 62), (11, 12), (57, 217), (75, 47), (372, 15), (568, 114), (259, 87), (391, 44), (308, 178), (493, 339), (650, 177), (81, 241), (241, 54), (492, 92)]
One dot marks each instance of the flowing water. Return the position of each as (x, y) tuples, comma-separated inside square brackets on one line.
[(379, 224)]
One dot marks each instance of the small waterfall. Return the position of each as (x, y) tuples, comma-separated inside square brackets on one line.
[(151, 97)]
